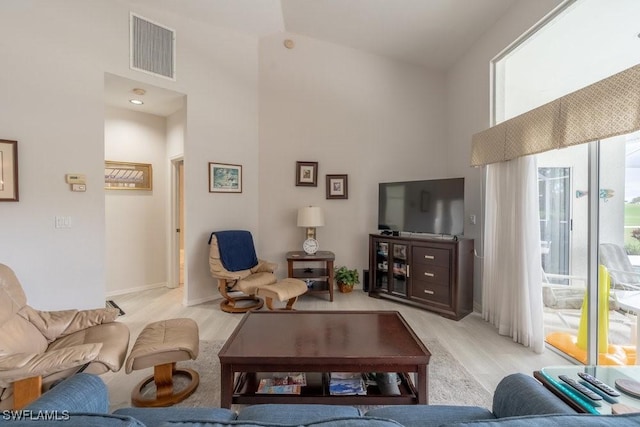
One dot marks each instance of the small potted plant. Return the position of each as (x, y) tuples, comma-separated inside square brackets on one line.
[(346, 278)]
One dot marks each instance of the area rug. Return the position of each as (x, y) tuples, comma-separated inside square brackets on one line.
[(449, 382)]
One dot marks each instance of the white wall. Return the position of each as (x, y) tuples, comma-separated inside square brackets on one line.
[(354, 113), (136, 220), (54, 57), (374, 119), (468, 107)]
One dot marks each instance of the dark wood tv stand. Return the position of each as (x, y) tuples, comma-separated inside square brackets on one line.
[(431, 273)]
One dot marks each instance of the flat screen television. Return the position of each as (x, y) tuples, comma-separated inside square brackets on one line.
[(433, 206)]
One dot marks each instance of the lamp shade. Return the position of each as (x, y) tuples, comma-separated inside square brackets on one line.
[(310, 216)]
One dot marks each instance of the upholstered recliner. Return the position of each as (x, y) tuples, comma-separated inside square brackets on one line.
[(38, 348), (233, 261)]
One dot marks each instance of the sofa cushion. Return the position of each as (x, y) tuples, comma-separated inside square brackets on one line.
[(66, 419), (156, 416), (430, 415), (519, 394), (329, 422), (79, 393), (295, 414), (562, 420)]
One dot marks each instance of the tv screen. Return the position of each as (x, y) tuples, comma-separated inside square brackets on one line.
[(433, 206)]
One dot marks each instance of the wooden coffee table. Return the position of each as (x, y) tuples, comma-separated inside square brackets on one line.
[(322, 342)]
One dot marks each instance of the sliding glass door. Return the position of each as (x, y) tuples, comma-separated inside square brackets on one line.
[(563, 190), (619, 249), (589, 194)]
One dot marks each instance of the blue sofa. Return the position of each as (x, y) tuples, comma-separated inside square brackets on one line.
[(519, 400)]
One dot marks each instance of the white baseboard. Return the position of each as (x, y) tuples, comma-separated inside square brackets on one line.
[(136, 289), (201, 300)]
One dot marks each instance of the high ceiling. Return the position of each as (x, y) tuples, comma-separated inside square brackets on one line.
[(429, 33), (432, 33)]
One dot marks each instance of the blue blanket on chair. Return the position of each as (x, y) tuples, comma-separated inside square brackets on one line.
[(236, 249)]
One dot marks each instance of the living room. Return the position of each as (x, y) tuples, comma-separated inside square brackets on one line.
[(229, 109), (249, 100)]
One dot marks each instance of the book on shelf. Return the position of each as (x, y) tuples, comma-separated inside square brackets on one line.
[(347, 383), (282, 383)]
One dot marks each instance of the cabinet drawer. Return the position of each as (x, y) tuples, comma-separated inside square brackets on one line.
[(430, 273), (432, 292), (432, 256)]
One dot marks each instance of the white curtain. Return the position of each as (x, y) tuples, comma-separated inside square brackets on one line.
[(512, 271)]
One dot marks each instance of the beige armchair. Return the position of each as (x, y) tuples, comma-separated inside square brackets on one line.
[(238, 285), (38, 348)]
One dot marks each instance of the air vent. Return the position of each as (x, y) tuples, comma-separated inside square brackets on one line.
[(152, 48)]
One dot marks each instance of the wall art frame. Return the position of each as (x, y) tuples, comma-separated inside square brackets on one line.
[(8, 171), (128, 176), (307, 174), (225, 178), (337, 187)]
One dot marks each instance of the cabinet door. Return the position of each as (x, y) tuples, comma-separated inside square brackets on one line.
[(381, 275), (399, 264)]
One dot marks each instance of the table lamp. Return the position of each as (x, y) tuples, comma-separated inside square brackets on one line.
[(310, 217)]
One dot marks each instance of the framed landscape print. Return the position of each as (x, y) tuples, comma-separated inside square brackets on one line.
[(307, 174), (8, 171), (128, 176), (225, 178), (337, 187)]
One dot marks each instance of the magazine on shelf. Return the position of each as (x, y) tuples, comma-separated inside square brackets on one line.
[(282, 383), (347, 383)]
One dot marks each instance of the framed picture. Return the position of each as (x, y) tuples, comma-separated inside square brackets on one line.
[(225, 178), (307, 174), (8, 171), (128, 176), (337, 187)]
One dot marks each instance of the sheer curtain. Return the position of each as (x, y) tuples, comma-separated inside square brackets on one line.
[(512, 271)]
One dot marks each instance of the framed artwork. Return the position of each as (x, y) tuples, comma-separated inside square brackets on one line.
[(225, 178), (307, 174), (337, 187), (128, 176), (8, 171)]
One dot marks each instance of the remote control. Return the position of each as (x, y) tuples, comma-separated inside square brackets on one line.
[(582, 389), (598, 384)]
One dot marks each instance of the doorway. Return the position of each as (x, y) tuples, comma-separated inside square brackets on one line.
[(141, 225)]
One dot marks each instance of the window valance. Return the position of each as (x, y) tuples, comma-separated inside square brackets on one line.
[(604, 109)]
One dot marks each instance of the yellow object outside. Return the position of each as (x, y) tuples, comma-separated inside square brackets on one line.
[(576, 346), (604, 286)]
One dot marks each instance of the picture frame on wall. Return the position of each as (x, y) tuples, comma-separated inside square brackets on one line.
[(307, 174), (225, 178), (337, 187), (8, 171), (128, 176)]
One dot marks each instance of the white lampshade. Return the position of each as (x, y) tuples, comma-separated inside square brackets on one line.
[(310, 216)]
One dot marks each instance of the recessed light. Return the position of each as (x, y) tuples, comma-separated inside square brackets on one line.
[(136, 101)]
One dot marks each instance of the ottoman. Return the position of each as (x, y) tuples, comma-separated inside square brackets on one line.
[(285, 290), (160, 345)]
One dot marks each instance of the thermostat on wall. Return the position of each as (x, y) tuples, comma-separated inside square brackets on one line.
[(76, 178)]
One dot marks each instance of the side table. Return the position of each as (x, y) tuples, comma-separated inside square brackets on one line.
[(319, 278)]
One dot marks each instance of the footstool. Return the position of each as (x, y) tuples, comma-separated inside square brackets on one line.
[(285, 290), (162, 344)]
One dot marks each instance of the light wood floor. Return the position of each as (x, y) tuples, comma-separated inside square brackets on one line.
[(474, 342)]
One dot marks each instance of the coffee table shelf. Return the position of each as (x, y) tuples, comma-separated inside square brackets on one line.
[(319, 342), (246, 385)]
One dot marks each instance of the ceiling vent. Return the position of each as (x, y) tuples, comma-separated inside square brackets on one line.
[(152, 48)]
